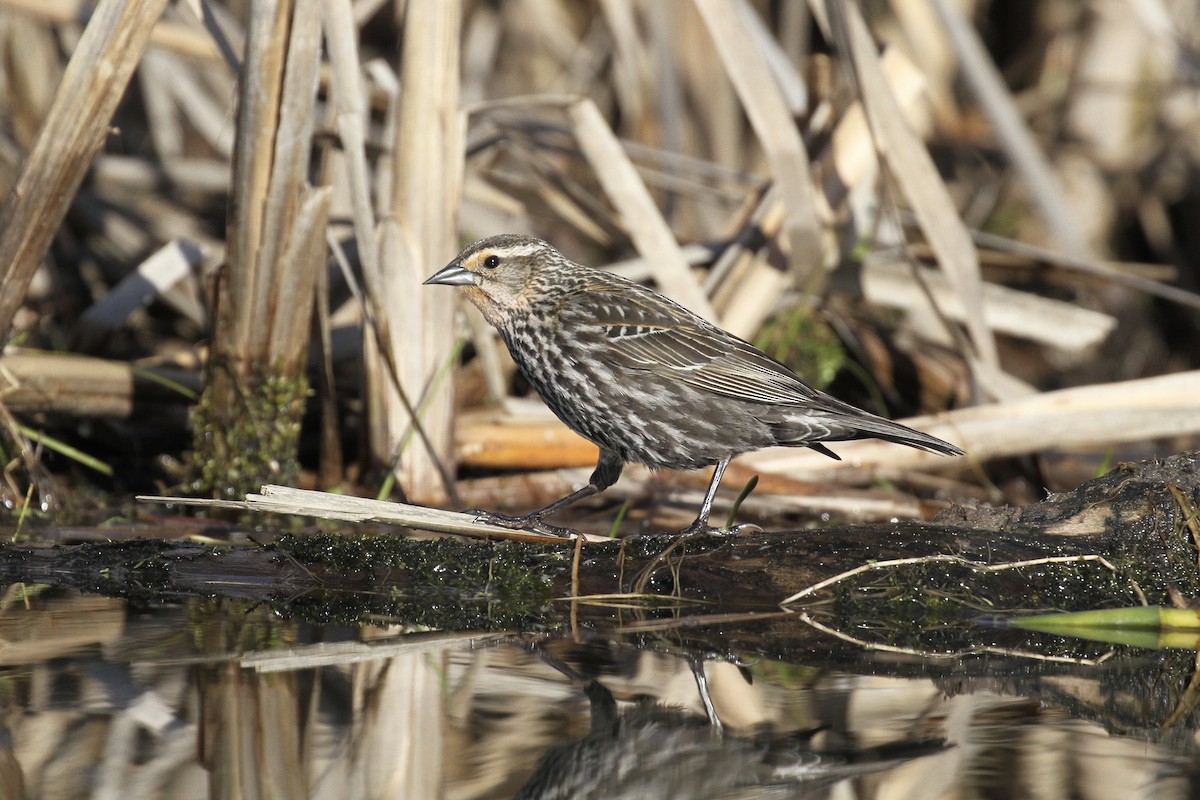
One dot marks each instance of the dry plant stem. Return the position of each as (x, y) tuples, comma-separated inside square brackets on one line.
[(154, 278), (82, 386), (30, 458), (487, 351), (372, 350), (326, 654), (630, 64), (575, 558), (176, 37), (900, 562), (643, 578), (917, 176), (931, 50), (1191, 518), (156, 81), (1095, 268), (73, 131), (888, 281), (484, 441), (296, 285), (711, 97), (635, 601), (676, 622), (650, 232), (294, 215), (205, 175), (771, 118), (326, 505), (351, 120), (240, 306), (752, 285), (419, 235), (851, 157), (1000, 651), (1010, 129), (849, 160), (332, 467), (575, 588), (249, 705), (576, 637), (228, 49), (275, 243)]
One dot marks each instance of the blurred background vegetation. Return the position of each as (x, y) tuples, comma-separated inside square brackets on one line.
[(218, 216)]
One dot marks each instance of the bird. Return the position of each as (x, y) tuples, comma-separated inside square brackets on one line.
[(651, 751), (643, 378)]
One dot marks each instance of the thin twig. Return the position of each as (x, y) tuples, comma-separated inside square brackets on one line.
[(1190, 520), (970, 651), (944, 558)]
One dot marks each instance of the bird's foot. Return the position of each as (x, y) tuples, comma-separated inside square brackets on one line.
[(699, 526), (702, 526), (521, 522)]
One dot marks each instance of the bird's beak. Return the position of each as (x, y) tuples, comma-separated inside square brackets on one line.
[(452, 275)]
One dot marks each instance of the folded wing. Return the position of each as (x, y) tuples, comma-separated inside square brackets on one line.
[(637, 329), (641, 331)]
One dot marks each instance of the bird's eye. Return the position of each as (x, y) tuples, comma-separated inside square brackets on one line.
[(491, 262)]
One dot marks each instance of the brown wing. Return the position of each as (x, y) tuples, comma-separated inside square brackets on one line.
[(641, 330)]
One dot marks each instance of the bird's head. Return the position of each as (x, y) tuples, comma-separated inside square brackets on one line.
[(497, 273)]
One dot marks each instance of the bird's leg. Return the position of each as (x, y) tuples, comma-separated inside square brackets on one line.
[(608, 469), (697, 666), (701, 523)]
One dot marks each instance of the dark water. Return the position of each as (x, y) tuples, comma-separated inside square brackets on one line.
[(217, 699)]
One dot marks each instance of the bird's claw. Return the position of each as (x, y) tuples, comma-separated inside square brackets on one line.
[(554, 530), (492, 518), (521, 522)]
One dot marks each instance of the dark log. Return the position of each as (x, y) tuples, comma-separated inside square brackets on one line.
[(1113, 541)]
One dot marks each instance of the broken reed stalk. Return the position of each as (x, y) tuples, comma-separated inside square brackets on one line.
[(256, 711), (908, 159), (68, 139), (37, 386), (636, 207), (1011, 130), (763, 101), (747, 295), (248, 420), (419, 234)]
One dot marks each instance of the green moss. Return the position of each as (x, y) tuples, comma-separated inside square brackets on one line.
[(241, 444), (797, 337), (438, 583), (1007, 216)]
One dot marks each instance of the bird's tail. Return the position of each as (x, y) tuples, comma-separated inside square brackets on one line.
[(808, 429), (887, 430)]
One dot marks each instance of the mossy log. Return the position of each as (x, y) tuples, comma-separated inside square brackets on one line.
[(1114, 541)]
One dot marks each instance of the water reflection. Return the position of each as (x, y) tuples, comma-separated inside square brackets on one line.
[(218, 700)]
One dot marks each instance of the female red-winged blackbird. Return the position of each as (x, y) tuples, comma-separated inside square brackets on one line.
[(642, 377)]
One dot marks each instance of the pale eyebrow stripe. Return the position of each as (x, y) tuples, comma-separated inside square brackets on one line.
[(519, 251)]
